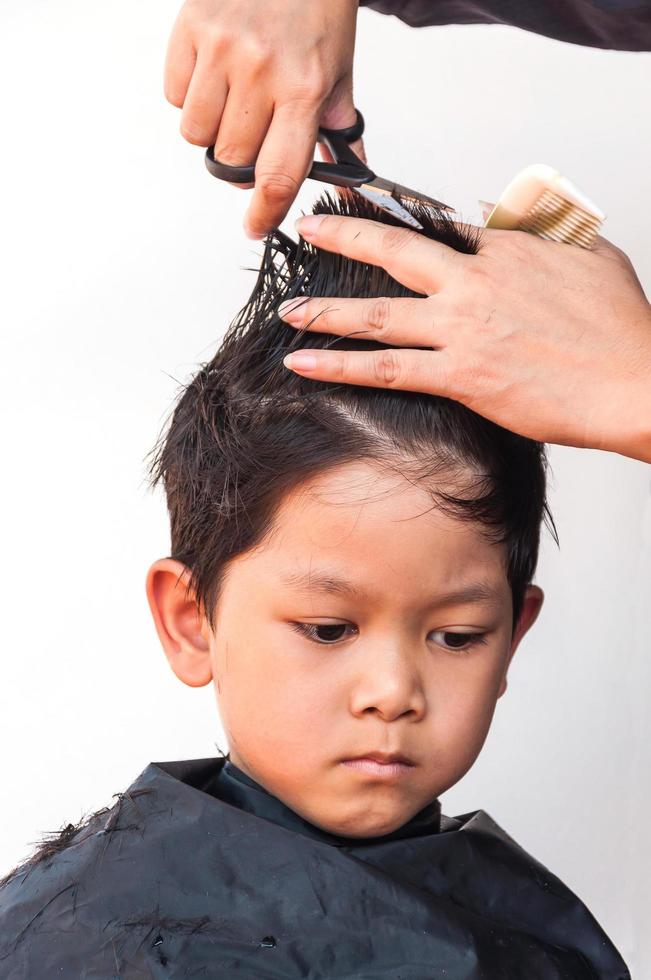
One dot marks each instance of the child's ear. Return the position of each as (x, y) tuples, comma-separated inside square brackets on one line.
[(531, 606), (182, 630)]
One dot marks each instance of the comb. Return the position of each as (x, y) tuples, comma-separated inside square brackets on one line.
[(539, 200)]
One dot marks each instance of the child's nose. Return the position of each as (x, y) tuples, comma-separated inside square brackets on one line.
[(388, 683)]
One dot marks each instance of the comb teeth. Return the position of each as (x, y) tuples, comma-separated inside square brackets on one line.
[(559, 220)]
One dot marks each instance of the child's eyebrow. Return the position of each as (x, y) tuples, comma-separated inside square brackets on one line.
[(323, 582), (335, 585)]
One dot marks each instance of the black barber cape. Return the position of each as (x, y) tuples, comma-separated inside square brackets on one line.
[(619, 24), (197, 871)]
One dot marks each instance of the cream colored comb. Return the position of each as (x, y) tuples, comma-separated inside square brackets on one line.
[(542, 202)]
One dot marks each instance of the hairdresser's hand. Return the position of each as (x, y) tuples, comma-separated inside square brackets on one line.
[(551, 341), (256, 78)]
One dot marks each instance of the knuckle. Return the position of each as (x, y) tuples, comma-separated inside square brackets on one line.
[(217, 40), (459, 380), (194, 133), (386, 368), (230, 154), (341, 366), (376, 316), (276, 187), (312, 88), (255, 53), (481, 377), (312, 93), (395, 239), (476, 283)]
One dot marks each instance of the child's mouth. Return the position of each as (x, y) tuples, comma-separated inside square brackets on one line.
[(385, 770)]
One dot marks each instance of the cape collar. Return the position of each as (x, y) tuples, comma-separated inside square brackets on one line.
[(231, 785)]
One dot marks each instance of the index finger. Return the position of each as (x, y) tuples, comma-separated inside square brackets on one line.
[(283, 163), (416, 261)]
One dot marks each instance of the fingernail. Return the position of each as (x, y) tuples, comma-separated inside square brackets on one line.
[(290, 311), (300, 361), (308, 225)]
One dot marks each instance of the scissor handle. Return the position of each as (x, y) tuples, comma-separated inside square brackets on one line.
[(347, 133), (349, 171)]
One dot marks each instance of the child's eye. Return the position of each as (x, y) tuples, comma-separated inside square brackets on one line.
[(330, 633), (325, 632), (450, 640)]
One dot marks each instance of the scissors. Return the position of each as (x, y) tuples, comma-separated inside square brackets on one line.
[(348, 171)]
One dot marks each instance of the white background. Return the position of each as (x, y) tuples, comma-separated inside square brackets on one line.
[(122, 265)]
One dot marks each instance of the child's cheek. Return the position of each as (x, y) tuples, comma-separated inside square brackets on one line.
[(263, 702)]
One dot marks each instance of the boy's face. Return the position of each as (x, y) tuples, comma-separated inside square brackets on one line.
[(366, 622)]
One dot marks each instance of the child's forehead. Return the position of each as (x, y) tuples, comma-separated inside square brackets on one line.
[(365, 492), (361, 481), (374, 530)]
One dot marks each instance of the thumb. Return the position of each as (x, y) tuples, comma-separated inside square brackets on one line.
[(338, 113)]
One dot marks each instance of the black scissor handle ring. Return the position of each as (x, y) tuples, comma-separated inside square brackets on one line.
[(246, 175), (349, 133), (235, 175)]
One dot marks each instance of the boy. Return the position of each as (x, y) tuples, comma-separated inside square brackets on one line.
[(352, 570)]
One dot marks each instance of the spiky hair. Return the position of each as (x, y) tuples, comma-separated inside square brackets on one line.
[(246, 430), (292, 270)]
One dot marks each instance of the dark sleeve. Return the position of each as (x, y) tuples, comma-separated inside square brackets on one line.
[(623, 25)]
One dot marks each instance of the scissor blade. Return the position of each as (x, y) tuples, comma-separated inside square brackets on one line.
[(383, 200), (401, 191)]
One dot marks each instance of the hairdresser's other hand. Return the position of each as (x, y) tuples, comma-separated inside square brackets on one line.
[(256, 78), (551, 341)]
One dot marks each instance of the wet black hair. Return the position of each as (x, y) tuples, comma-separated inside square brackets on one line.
[(246, 430)]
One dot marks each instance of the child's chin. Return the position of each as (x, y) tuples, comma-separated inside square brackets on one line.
[(363, 826)]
